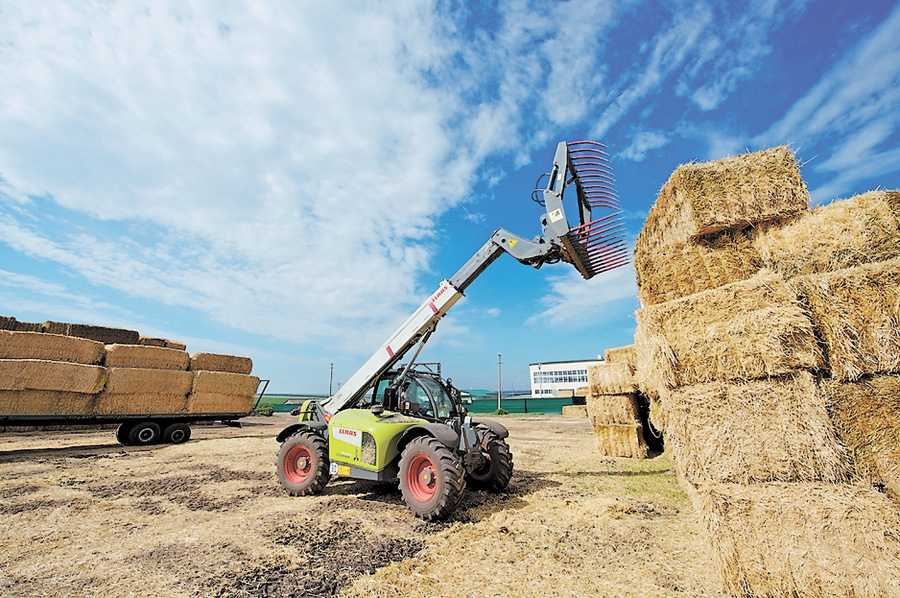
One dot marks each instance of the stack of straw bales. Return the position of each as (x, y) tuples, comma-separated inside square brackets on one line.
[(768, 339), (613, 407), (46, 374)]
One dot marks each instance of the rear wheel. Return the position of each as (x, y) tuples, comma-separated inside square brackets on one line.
[(176, 433), (122, 433), (302, 464), (144, 433), (496, 470), (431, 478)]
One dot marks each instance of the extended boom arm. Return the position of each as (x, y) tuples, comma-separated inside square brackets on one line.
[(593, 246)]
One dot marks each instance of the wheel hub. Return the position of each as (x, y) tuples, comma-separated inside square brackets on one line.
[(427, 477)]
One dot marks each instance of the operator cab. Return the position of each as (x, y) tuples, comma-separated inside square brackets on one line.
[(420, 394)]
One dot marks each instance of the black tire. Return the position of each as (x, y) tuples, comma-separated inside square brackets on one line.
[(144, 433), (432, 478), (497, 470), (302, 464), (122, 433), (176, 433)]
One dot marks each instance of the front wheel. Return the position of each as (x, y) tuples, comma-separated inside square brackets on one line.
[(496, 469), (302, 464), (431, 478)]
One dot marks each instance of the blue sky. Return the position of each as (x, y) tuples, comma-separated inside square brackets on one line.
[(289, 180)]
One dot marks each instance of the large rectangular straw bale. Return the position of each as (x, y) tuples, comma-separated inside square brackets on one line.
[(682, 269), (621, 440), (50, 347), (811, 539), (44, 403), (703, 198), (222, 392), (620, 355), (574, 411), (217, 362), (224, 383), (34, 374), (28, 327), (856, 312), (613, 409), (51, 327), (866, 416), (7, 323), (141, 403), (210, 403), (611, 378), (105, 334), (135, 381), (161, 342), (146, 356), (741, 331), (843, 234), (771, 430)]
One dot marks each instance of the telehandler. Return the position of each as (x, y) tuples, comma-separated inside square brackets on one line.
[(406, 424)]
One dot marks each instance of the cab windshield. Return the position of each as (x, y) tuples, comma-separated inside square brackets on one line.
[(439, 397)]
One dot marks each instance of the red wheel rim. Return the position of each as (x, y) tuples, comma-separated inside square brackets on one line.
[(298, 464), (421, 479)]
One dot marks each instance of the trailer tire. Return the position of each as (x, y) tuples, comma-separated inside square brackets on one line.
[(144, 433), (302, 463), (432, 478), (176, 433), (122, 433), (495, 474)]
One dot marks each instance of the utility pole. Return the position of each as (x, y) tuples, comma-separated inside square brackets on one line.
[(330, 378), (499, 382)]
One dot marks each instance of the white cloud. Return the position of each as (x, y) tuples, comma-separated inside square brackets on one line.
[(643, 142), (572, 301), (856, 108)]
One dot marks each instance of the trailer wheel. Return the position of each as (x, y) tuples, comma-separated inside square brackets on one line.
[(144, 433), (431, 478), (495, 473), (122, 433), (302, 464), (176, 433)]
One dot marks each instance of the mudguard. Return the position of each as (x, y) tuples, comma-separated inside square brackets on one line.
[(317, 427), (498, 429), (445, 434)]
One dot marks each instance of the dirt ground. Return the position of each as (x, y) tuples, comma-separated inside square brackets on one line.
[(81, 515)]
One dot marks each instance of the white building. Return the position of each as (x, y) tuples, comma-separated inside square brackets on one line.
[(559, 378)]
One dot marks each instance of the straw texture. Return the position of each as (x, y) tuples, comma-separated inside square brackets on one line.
[(741, 331), (856, 313), (756, 431), (699, 199), (805, 539)]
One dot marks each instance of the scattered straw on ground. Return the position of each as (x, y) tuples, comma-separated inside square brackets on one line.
[(85, 516)]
